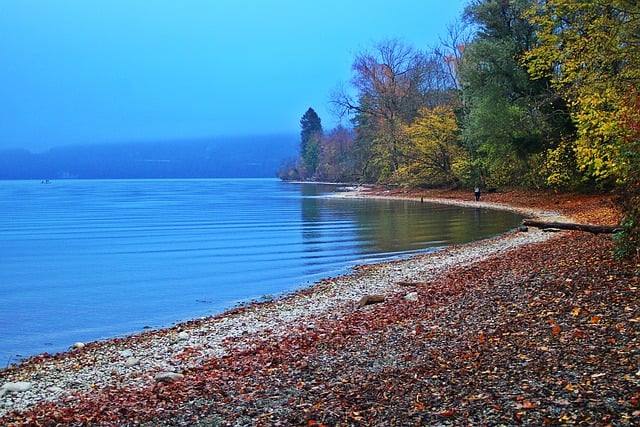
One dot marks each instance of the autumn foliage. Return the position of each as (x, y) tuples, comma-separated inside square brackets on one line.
[(542, 96)]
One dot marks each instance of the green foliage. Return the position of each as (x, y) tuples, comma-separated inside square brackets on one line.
[(510, 118), (628, 242), (590, 51)]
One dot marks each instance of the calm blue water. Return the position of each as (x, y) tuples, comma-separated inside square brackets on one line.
[(82, 260)]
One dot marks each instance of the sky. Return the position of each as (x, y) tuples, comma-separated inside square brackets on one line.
[(98, 71)]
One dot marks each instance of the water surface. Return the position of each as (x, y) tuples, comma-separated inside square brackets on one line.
[(82, 260)]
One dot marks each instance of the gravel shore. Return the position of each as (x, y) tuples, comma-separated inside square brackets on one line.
[(142, 360)]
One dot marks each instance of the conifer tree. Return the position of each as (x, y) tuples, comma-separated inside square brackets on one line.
[(310, 136)]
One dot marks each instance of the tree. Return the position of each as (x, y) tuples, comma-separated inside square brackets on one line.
[(591, 52), (509, 118), (392, 83), (310, 135), (436, 157), (337, 159)]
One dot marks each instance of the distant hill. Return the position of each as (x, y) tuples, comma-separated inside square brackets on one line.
[(228, 157)]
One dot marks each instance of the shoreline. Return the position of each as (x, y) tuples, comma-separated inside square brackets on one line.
[(138, 357), (363, 192)]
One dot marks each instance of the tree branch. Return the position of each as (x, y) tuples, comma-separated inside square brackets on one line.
[(595, 229)]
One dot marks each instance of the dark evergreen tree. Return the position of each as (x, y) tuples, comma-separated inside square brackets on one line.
[(310, 136)]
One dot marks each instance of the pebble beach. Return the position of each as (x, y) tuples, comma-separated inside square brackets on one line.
[(146, 360)]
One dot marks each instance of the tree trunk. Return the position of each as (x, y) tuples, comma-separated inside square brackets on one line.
[(595, 229)]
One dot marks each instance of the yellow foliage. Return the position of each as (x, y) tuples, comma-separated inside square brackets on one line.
[(590, 50), (434, 154)]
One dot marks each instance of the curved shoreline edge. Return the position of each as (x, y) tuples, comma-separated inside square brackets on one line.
[(134, 361)]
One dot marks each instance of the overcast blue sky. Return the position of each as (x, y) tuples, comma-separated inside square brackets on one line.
[(88, 71)]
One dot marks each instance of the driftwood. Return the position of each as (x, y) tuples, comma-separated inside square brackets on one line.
[(370, 299), (595, 229)]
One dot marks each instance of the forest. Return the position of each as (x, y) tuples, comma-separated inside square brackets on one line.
[(539, 94)]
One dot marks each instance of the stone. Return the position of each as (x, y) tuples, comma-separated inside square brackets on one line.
[(15, 387), (167, 377), (182, 336), (131, 361), (411, 297), (78, 345), (125, 353)]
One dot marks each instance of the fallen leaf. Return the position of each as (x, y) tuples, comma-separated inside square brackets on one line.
[(526, 404)]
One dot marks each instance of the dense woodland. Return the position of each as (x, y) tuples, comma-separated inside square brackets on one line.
[(539, 94)]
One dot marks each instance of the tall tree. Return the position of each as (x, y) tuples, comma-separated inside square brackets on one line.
[(392, 83), (510, 117), (310, 135), (591, 52)]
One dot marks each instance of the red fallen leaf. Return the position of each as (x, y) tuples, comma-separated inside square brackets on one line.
[(578, 334), (447, 413), (555, 330)]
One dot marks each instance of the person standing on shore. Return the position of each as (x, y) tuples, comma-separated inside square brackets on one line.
[(476, 192)]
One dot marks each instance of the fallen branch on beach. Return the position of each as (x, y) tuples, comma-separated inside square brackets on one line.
[(370, 299), (595, 229)]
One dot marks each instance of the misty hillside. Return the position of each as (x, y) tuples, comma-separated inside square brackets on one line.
[(230, 157)]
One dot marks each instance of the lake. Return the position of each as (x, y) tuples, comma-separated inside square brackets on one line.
[(82, 260)]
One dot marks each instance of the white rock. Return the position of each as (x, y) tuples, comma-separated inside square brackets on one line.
[(131, 361), (412, 297), (55, 389), (125, 353), (16, 387), (183, 336), (167, 377), (77, 345)]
